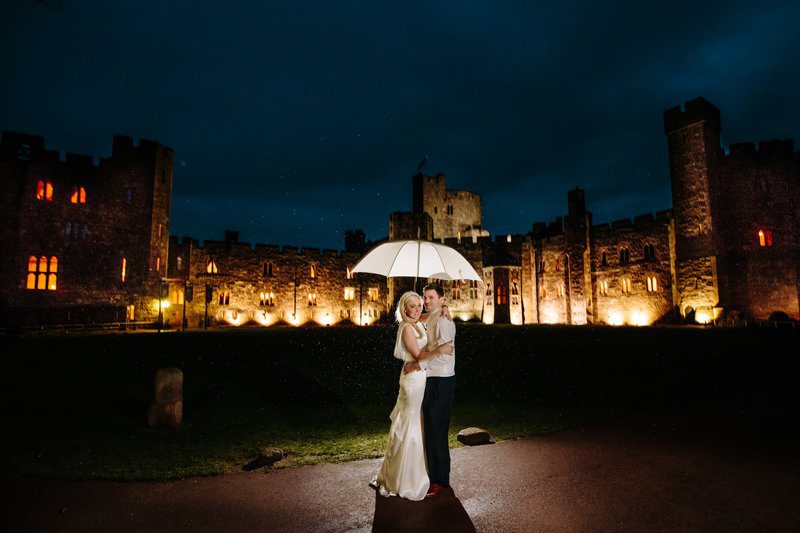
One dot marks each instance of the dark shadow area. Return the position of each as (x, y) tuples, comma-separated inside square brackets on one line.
[(440, 513)]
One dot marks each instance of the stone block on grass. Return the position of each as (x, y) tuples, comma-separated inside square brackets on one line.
[(474, 437), (166, 411)]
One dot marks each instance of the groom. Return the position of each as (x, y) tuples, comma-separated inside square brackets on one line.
[(439, 389)]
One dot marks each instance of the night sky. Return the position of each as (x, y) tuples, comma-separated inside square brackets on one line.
[(293, 121)]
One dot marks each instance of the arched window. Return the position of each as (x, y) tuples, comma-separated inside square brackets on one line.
[(40, 190), (31, 281), (626, 285), (624, 256), (48, 191), (649, 251), (124, 270), (211, 265), (268, 269), (764, 238), (652, 284), (350, 274), (42, 273), (604, 259), (78, 195), (312, 298), (313, 273)]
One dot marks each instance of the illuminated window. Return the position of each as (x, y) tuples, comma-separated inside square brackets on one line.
[(177, 296), (350, 274), (158, 264), (626, 285), (224, 298), (457, 290), (313, 272), (560, 291), (267, 298), (649, 251), (44, 190), (488, 292), (179, 263), (130, 312), (268, 269), (312, 298), (502, 295), (624, 256), (652, 284), (31, 281), (160, 230), (211, 266), (124, 270), (42, 274), (603, 285), (349, 293), (373, 294), (78, 195), (764, 238)]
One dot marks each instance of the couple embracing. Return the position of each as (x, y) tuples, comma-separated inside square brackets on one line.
[(417, 459)]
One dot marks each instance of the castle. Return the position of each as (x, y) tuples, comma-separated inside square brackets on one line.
[(728, 245)]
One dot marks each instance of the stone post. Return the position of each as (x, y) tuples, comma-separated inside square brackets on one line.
[(166, 411)]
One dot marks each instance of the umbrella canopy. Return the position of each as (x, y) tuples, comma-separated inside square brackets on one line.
[(416, 259)]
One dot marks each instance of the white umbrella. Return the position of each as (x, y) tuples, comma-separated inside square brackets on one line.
[(417, 259)]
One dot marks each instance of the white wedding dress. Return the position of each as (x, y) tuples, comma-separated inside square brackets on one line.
[(404, 472)]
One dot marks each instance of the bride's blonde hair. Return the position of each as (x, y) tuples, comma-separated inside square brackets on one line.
[(400, 312)]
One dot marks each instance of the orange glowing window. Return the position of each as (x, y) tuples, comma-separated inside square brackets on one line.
[(43, 264), (224, 298), (78, 195), (502, 295), (211, 266), (53, 264), (48, 191), (349, 293), (349, 273), (764, 237), (267, 298), (40, 190), (52, 282), (158, 264), (313, 272), (312, 298), (124, 270), (32, 263), (31, 283), (373, 294)]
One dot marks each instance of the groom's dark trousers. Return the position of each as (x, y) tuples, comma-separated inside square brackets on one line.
[(437, 405)]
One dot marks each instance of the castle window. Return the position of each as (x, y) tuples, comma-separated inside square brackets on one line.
[(624, 256), (179, 263), (603, 285), (268, 269), (124, 270), (24, 152), (604, 259), (78, 195), (160, 231), (435, 210), (224, 298), (177, 296), (312, 298), (349, 293), (502, 295), (313, 272), (560, 290), (74, 230), (514, 293), (211, 265), (473, 289), (130, 312), (652, 284), (449, 209), (649, 251), (456, 290), (488, 293), (626, 285), (158, 264), (42, 274), (44, 190), (267, 299), (350, 274), (129, 196), (764, 238), (373, 294)]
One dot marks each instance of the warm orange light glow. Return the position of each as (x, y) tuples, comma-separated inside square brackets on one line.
[(32, 263), (124, 269), (53, 264), (211, 266), (702, 316), (158, 264), (48, 191), (349, 293), (312, 298), (639, 318), (764, 237), (41, 282), (615, 318), (40, 190), (313, 272), (31, 283), (373, 294), (52, 283)]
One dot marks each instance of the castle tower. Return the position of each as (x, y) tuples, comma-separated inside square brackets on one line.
[(577, 271), (693, 136), (455, 213)]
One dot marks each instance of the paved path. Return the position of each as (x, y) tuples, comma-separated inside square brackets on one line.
[(606, 478)]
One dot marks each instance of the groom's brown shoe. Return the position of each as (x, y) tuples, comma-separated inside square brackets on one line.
[(434, 490)]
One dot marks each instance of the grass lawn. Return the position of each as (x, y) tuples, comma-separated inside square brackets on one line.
[(77, 404)]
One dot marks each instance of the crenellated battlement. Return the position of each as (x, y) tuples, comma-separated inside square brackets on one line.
[(692, 112), (259, 249), (644, 220), (774, 150)]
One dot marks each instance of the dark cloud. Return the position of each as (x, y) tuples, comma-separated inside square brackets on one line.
[(297, 120)]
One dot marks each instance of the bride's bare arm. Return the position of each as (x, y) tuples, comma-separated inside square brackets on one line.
[(410, 342)]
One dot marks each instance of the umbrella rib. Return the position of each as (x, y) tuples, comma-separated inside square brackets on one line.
[(394, 260), (444, 268)]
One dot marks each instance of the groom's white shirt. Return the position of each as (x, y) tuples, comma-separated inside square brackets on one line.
[(440, 331)]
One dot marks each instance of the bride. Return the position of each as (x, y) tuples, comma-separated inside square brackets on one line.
[(403, 472)]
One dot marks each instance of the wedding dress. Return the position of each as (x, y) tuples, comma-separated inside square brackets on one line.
[(403, 472)]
